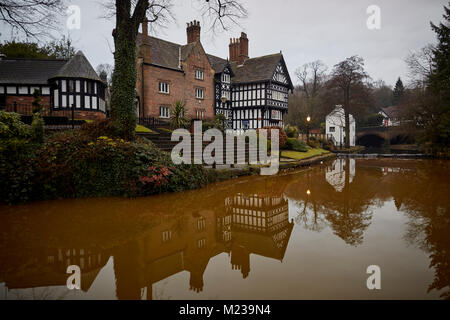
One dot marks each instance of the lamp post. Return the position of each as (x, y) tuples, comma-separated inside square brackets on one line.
[(308, 119)]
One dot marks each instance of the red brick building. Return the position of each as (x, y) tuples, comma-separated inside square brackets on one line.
[(61, 85), (250, 92)]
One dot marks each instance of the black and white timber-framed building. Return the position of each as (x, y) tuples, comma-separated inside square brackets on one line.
[(251, 92)]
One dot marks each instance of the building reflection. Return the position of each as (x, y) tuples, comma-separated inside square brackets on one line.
[(183, 239), (244, 224)]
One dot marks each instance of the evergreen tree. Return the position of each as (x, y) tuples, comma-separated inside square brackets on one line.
[(439, 86), (399, 90)]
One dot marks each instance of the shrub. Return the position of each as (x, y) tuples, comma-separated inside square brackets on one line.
[(99, 128), (16, 150), (291, 131), (38, 127), (281, 134), (296, 145)]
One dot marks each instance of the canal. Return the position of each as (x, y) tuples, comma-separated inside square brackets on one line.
[(308, 234)]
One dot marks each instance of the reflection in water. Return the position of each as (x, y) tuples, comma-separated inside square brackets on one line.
[(147, 245)]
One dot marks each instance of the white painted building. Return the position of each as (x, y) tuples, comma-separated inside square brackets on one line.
[(335, 127), (335, 174)]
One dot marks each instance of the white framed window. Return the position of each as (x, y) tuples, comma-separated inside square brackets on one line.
[(70, 100), (164, 87), (63, 85), (199, 74), (23, 90), (164, 112), (56, 98), (225, 78), (201, 224), (78, 102), (77, 86), (199, 93), (87, 102), (63, 101), (94, 103), (201, 243), (2, 89), (11, 90), (200, 113)]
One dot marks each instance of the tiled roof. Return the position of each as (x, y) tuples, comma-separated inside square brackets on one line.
[(28, 71), (166, 54), (39, 71), (256, 69), (391, 111), (217, 63), (77, 67)]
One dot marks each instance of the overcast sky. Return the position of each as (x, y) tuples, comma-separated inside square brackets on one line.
[(304, 30)]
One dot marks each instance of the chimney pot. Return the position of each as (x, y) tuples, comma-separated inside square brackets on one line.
[(193, 31)]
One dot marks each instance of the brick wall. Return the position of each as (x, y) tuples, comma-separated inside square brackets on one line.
[(182, 85), (24, 106)]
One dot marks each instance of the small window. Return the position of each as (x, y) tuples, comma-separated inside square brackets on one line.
[(23, 90), (164, 112), (199, 93), (164, 87), (199, 74), (201, 243), (70, 86), (63, 85), (2, 89), (332, 129), (201, 224), (166, 236), (225, 78), (77, 86), (200, 113), (11, 90)]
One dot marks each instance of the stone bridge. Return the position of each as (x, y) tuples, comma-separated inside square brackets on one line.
[(377, 136)]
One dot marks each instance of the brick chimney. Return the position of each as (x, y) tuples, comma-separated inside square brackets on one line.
[(243, 48), (238, 49), (193, 31), (145, 47)]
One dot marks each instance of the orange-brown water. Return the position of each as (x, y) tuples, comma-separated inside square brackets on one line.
[(308, 234)]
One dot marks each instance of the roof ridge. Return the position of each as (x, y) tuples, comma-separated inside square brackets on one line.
[(34, 59)]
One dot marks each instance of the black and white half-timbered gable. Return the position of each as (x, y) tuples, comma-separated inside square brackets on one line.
[(258, 91)]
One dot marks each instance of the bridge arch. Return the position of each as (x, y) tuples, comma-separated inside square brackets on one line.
[(371, 140)]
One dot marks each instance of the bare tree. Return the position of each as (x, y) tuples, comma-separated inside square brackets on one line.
[(32, 17), (348, 75), (420, 65), (107, 69)]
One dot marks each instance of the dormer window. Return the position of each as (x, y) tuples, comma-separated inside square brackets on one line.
[(199, 74)]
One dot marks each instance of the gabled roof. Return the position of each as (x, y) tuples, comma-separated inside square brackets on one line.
[(217, 63), (391, 111), (256, 69), (165, 53), (28, 71), (77, 67), (259, 69)]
